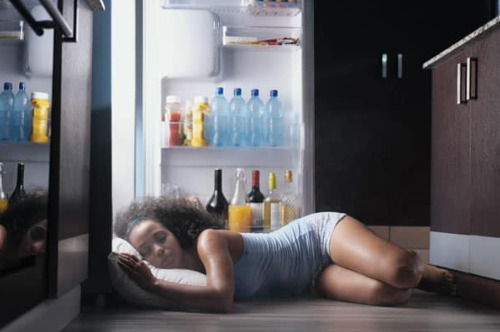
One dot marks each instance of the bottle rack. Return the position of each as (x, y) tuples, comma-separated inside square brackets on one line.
[(262, 38), (255, 8), (11, 30)]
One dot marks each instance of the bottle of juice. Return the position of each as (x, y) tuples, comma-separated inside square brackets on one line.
[(40, 104), (3, 198), (239, 212), (173, 112), (201, 122)]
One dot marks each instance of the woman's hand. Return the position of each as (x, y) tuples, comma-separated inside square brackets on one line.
[(137, 270)]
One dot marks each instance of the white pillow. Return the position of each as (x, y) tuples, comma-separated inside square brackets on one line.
[(132, 293)]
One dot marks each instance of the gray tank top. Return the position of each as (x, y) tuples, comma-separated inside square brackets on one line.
[(286, 261)]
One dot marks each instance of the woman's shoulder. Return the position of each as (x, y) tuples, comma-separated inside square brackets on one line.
[(233, 240)]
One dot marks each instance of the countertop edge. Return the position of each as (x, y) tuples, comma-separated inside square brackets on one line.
[(456, 47)]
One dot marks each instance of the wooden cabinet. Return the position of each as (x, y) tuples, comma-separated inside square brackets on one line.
[(373, 103), (465, 186)]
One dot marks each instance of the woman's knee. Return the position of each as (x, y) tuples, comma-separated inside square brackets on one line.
[(386, 295), (404, 269)]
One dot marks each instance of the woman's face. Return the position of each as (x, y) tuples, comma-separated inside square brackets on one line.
[(156, 244)]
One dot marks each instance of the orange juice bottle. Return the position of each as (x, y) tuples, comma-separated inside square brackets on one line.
[(239, 214), (3, 198)]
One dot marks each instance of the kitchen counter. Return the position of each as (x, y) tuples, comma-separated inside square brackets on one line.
[(472, 37)]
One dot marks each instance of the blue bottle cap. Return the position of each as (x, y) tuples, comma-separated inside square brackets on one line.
[(237, 92), (7, 86), (22, 86), (219, 91), (255, 92), (274, 93)]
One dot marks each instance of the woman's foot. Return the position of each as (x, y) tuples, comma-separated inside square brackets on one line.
[(438, 280)]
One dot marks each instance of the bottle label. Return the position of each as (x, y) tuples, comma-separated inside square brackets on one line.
[(275, 215), (257, 214)]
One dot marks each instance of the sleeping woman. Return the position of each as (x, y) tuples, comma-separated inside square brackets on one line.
[(332, 252)]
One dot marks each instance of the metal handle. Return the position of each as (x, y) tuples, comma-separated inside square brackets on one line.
[(24, 12), (400, 65), (39, 26), (384, 65), (471, 79), (57, 17), (461, 68)]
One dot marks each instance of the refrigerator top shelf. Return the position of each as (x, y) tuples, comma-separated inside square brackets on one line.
[(255, 11)]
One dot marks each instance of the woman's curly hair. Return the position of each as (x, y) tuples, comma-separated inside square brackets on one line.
[(184, 217)]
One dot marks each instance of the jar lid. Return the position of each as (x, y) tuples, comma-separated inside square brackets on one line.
[(39, 95), (200, 99), (173, 99)]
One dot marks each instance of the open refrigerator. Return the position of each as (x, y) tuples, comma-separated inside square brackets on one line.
[(191, 47)]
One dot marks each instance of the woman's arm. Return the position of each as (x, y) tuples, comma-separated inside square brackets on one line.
[(217, 295)]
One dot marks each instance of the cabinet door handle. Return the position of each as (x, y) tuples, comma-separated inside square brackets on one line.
[(461, 68), (471, 79), (384, 65), (400, 65)]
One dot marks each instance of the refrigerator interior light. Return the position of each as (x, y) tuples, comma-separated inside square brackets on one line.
[(11, 30)]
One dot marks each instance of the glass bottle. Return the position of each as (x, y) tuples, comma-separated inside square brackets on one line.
[(3, 197), (256, 202), (217, 205), (19, 193), (272, 206), (289, 201), (239, 212)]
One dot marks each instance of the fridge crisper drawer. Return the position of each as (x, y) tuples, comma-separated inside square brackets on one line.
[(275, 38), (252, 7)]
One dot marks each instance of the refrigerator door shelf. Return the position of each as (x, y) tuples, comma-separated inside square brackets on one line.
[(11, 30), (237, 7)]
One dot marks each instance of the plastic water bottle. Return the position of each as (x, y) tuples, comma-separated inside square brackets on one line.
[(239, 114), (220, 118), (274, 111), (20, 119), (256, 116), (6, 103)]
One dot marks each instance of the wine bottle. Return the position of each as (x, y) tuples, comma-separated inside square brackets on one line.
[(256, 200), (272, 206), (3, 198), (217, 205), (19, 193), (289, 200)]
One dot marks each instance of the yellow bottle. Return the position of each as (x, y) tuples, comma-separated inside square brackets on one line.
[(40, 103), (201, 121), (272, 206)]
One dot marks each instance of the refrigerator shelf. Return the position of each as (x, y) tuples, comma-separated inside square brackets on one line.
[(262, 38), (181, 156), (24, 151), (233, 9)]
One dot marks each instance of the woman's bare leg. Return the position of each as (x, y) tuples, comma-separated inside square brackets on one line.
[(338, 283), (356, 248)]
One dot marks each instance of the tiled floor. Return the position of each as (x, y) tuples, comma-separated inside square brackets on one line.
[(425, 312)]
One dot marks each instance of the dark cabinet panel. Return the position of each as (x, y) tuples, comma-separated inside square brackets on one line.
[(451, 188), (485, 145), (373, 130)]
